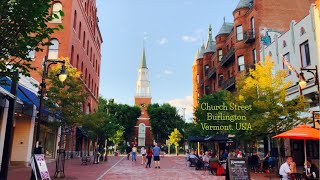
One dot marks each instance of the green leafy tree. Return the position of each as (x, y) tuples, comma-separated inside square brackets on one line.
[(23, 28), (127, 117), (65, 99), (117, 138), (175, 137), (163, 119)]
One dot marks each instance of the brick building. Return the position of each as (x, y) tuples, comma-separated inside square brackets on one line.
[(237, 44), (80, 40), (142, 132)]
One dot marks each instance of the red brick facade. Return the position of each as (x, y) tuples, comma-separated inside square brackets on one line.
[(80, 40), (271, 14)]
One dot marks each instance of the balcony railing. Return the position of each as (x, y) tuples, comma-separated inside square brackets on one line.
[(249, 36), (212, 72), (228, 57), (228, 83)]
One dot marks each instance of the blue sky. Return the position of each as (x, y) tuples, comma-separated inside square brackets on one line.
[(173, 30)]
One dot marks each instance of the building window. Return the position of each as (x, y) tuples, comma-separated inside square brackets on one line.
[(207, 90), (91, 54), (31, 54), (252, 24), (87, 47), (56, 8), (220, 79), (53, 49), (284, 43), (219, 55), (254, 56), (142, 134), (285, 67), (82, 67), (75, 20), (302, 31), (71, 57), (239, 33), (206, 70), (241, 65), (84, 39), (305, 54), (77, 65), (79, 33)]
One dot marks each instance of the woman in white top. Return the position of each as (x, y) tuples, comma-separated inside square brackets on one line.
[(143, 153)]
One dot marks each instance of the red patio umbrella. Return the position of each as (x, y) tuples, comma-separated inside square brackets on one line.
[(301, 132)]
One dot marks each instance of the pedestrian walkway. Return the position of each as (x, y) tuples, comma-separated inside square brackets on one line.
[(118, 168)]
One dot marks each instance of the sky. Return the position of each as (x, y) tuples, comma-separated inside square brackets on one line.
[(172, 31)]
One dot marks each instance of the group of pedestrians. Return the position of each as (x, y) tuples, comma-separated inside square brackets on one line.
[(146, 154)]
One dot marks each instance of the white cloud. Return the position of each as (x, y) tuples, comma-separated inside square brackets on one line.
[(162, 41), (187, 38), (145, 36), (167, 72), (184, 105)]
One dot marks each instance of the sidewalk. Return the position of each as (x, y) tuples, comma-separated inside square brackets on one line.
[(73, 169)]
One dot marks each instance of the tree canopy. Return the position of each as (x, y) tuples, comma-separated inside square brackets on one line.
[(164, 118), (23, 28)]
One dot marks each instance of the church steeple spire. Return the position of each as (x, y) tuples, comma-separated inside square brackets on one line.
[(143, 60), (143, 83)]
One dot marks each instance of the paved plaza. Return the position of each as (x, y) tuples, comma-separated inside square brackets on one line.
[(117, 168)]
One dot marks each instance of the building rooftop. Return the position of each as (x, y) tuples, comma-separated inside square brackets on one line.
[(226, 28), (211, 45), (143, 60), (244, 4), (201, 52)]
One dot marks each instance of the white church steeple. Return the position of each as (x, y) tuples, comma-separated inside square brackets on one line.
[(143, 83)]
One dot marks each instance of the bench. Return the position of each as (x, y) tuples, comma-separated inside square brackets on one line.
[(85, 160)]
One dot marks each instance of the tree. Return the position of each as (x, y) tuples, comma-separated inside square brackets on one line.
[(66, 99), (23, 28), (266, 92), (127, 117), (164, 118), (175, 138), (117, 137), (100, 125)]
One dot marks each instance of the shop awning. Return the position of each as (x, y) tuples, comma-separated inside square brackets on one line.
[(23, 94)]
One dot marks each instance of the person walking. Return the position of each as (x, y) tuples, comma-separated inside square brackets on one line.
[(134, 153), (128, 151), (149, 156), (156, 156), (143, 154)]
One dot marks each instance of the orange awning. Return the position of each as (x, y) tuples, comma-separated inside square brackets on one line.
[(301, 132)]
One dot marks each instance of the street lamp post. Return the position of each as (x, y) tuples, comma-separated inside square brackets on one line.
[(62, 77), (303, 82)]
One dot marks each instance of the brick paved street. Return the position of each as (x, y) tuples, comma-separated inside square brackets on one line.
[(117, 168)]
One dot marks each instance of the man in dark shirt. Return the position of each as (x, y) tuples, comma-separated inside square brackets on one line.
[(128, 151), (255, 161)]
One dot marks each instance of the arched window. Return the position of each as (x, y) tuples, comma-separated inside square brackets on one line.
[(92, 85), (56, 8), (84, 39), (82, 67), (85, 76), (77, 65), (302, 31), (53, 49), (79, 33), (91, 54), (75, 20), (94, 59), (142, 134), (87, 47), (88, 108), (71, 57), (284, 43)]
